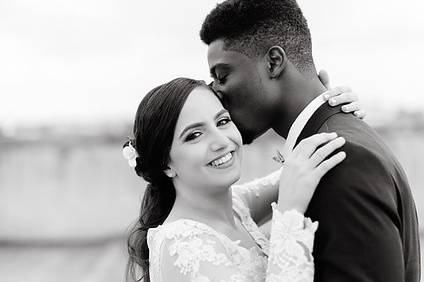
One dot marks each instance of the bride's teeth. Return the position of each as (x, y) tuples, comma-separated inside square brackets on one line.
[(222, 160)]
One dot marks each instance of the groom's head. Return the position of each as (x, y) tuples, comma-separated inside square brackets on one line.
[(256, 51)]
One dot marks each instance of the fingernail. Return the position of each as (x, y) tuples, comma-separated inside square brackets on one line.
[(346, 108), (332, 102)]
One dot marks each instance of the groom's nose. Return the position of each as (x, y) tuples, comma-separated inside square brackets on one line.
[(212, 85), (215, 86)]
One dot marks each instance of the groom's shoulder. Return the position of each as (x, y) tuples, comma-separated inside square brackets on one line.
[(364, 147), (355, 128), (355, 131)]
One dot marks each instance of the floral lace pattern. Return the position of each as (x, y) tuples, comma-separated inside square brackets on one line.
[(187, 250), (252, 190), (292, 239)]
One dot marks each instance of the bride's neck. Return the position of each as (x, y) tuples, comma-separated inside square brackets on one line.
[(215, 209)]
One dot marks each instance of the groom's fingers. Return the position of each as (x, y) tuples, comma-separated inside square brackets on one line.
[(322, 153)]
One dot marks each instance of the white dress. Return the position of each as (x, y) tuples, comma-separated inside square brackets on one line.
[(187, 250)]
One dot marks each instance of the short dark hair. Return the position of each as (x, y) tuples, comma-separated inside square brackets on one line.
[(154, 127), (251, 27)]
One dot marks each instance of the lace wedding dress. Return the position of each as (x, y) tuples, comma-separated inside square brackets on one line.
[(187, 250)]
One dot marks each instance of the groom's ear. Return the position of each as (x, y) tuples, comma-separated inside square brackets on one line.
[(276, 60)]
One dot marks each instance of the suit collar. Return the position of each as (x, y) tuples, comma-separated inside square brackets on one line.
[(300, 122), (317, 119)]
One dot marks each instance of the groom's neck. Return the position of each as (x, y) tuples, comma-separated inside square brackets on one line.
[(297, 94)]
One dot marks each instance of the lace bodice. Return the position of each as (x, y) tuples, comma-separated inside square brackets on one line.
[(187, 250)]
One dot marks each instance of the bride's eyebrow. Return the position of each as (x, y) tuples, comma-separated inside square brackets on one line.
[(198, 124), (193, 125), (220, 113)]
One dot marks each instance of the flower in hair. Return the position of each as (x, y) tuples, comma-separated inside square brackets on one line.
[(130, 154)]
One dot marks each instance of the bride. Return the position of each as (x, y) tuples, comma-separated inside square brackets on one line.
[(195, 225)]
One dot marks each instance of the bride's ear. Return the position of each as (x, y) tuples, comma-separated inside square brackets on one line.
[(170, 172), (276, 60)]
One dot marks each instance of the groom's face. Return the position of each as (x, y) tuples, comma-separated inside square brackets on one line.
[(240, 83)]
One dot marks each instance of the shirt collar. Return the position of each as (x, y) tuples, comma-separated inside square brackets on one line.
[(300, 122)]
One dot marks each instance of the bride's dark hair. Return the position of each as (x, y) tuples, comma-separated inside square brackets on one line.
[(153, 131)]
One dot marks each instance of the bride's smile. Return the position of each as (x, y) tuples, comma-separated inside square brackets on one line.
[(224, 161)]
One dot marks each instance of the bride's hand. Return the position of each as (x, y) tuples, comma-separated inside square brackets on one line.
[(341, 95), (304, 168)]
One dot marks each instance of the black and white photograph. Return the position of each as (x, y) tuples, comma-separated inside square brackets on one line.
[(211, 141)]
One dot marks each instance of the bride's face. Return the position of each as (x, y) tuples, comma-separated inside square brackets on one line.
[(206, 149)]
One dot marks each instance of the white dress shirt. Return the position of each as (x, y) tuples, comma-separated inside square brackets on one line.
[(300, 122)]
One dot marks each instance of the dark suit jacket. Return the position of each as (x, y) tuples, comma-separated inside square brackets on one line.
[(368, 229)]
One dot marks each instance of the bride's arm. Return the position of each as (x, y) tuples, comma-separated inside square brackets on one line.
[(259, 194), (292, 235)]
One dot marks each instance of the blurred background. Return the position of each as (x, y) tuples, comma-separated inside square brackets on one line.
[(73, 72)]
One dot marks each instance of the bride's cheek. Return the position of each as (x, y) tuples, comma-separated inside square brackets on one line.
[(237, 136)]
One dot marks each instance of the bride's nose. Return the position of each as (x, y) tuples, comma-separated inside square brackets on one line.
[(219, 140)]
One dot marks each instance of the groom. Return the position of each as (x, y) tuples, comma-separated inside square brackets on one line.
[(260, 56)]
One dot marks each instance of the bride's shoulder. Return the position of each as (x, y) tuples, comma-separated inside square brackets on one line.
[(183, 245), (180, 230), (176, 229)]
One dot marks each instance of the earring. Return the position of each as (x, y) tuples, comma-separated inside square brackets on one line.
[(171, 173)]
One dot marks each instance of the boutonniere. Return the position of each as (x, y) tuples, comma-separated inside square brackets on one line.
[(278, 157)]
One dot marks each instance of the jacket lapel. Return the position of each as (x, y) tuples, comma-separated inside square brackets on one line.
[(317, 120)]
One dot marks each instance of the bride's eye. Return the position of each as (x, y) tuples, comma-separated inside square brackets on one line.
[(224, 121), (193, 136)]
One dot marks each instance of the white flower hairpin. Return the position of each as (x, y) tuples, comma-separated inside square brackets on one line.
[(130, 154)]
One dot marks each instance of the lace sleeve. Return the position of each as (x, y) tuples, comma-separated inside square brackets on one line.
[(252, 190), (291, 244), (193, 256)]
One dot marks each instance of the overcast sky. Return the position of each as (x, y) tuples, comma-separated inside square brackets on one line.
[(91, 60)]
